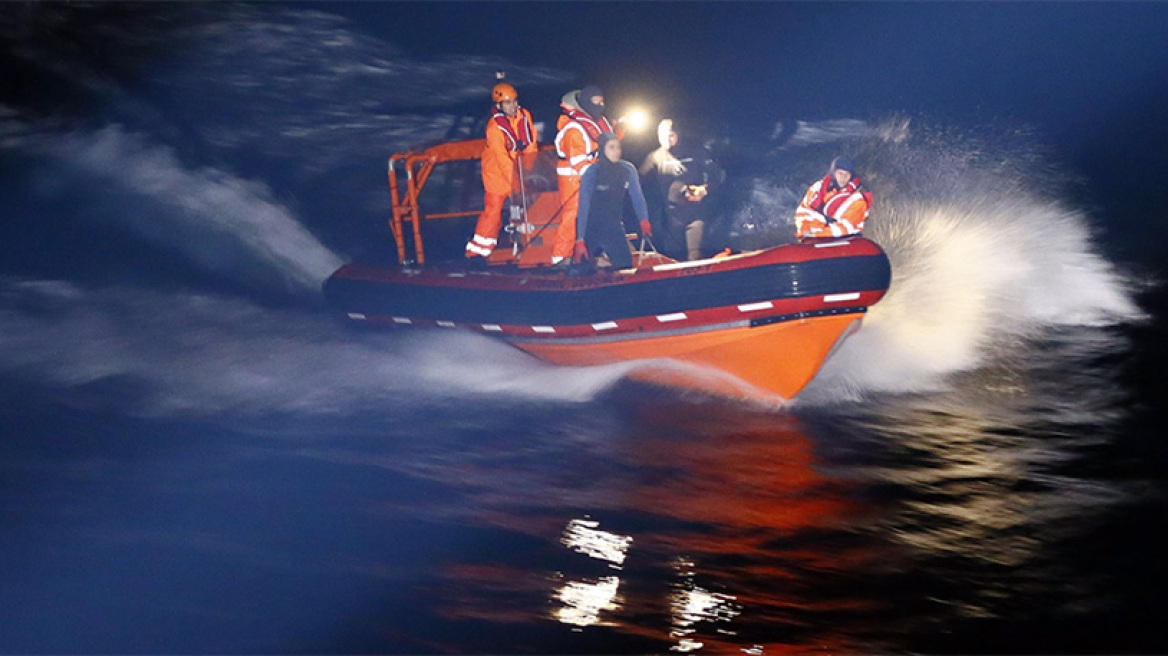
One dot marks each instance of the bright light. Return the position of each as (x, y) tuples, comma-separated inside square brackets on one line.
[(636, 120)]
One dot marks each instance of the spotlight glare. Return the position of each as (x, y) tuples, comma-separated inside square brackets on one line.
[(636, 120)]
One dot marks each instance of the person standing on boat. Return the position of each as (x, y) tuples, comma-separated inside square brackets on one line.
[(603, 189), (683, 175), (511, 142), (834, 206), (577, 143)]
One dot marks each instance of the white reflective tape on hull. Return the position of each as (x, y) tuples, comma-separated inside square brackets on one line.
[(543, 329), (602, 338), (680, 265), (837, 298), (607, 325), (401, 320), (676, 316), (755, 307), (446, 324), (356, 315), (492, 327)]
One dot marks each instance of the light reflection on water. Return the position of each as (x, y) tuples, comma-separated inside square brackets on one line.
[(691, 604), (638, 523), (584, 601), (717, 536), (584, 536), (736, 530)]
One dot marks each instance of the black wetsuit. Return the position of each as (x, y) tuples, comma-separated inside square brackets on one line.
[(603, 189)]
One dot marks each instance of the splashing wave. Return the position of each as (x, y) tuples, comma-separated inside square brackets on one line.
[(981, 262)]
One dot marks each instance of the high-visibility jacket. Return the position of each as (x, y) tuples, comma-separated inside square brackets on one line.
[(507, 139), (577, 144), (828, 211), (577, 140)]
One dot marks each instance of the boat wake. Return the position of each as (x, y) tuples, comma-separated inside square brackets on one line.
[(216, 222), (981, 265), (149, 354)]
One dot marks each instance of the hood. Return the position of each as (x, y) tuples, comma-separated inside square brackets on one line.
[(843, 163), (605, 137), (584, 98), (569, 100), (663, 130)]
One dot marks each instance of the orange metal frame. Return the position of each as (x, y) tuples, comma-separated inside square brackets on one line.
[(416, 166)]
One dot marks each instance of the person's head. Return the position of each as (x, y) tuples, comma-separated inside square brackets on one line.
[(842, 170), (506, 98), (610, 146), (666, 135), (591, 100)]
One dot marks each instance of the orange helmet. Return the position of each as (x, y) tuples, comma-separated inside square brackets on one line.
[(504, 91)]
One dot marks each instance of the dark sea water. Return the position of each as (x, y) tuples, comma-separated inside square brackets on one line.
[(198, 458)]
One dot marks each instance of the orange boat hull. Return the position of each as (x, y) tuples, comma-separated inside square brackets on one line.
[(764, 361)]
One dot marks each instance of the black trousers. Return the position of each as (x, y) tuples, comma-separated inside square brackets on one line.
[(608, 236)]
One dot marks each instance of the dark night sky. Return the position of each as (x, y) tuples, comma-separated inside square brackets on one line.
[(1083, 74), (1064, 67)]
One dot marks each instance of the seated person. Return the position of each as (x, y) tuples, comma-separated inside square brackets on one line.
[(834, 206)]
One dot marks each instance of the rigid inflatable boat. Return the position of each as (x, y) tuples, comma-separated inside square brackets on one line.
[(766, 320)]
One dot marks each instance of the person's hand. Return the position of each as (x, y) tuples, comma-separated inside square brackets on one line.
[(579, 251), (646, 228)]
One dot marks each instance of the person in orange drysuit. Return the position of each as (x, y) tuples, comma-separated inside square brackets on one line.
[(511, 143), (834, 206), (578, 144)]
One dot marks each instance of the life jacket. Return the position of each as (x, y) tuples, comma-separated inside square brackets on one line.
[(837, 204), (515, 142), (505, 148), (823, 199), (589, 129)]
